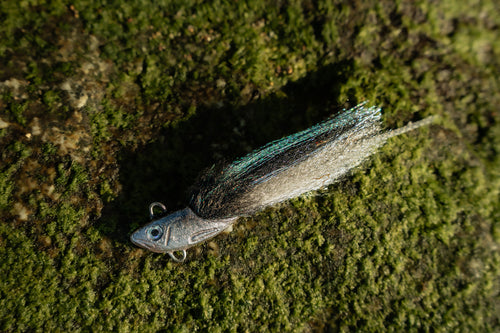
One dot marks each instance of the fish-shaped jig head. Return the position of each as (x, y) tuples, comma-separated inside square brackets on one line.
[(283, 169)]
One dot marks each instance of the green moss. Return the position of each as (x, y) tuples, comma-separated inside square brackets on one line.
[(16, 154), (51, 98), (14, 108), (408, 242)]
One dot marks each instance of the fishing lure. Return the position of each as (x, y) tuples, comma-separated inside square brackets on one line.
[(283, 169)]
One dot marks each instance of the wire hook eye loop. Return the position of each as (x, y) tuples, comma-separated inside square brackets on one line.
[(177, 259), (153, 205)]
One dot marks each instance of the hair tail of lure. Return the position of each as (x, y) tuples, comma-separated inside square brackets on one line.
[(297, 164)]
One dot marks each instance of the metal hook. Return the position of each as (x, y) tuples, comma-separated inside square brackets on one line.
[(153, 205), (174, 258)]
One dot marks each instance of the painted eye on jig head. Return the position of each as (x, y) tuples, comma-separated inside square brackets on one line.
[(155, 232)]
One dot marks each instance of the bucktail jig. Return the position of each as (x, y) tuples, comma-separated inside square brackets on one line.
[(283, 169)]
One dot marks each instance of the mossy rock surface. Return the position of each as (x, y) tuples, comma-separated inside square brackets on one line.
[(107, 107)]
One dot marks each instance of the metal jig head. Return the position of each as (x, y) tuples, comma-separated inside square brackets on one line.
[(177, 231), (283, 169)]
